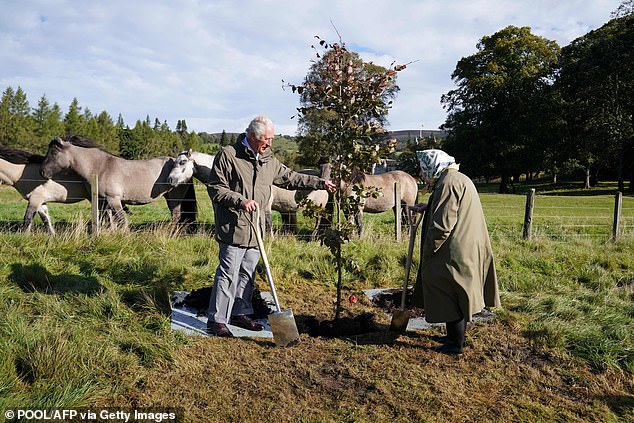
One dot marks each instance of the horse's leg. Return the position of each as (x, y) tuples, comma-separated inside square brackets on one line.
[(181, 201), (315, 233), (289, 222), (120, 218), (175, 209), (105, 214), (189, 207), (292, 222), (359, 221), (46, 218), (28, 218), (268, 222), (407, 215)]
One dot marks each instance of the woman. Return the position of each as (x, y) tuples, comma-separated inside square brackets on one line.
[(456, 278)]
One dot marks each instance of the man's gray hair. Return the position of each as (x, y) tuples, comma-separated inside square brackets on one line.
[(258, 126)]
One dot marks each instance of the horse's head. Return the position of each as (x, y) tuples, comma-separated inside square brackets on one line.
[(57, 158), (183, 169)]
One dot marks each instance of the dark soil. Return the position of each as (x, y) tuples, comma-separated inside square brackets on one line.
[(390, 300), (344, 326), (364, 323)]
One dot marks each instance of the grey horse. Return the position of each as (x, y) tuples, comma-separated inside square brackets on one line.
[(120, 181), (21, 170)]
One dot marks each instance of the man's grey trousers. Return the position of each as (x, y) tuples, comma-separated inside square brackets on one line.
[(233, 283)]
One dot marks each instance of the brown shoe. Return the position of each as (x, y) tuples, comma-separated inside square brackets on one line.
[(245, 322), (218, 329)]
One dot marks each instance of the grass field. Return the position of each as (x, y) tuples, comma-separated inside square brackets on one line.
[(84, 323)]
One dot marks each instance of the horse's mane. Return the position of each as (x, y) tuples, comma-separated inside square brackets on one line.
[(17, 156), (80, 141), (357, 177)]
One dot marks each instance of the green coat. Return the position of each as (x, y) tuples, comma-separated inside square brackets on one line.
[(456, 277), (236, 176)]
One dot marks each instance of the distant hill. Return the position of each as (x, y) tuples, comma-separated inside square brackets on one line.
[(405, 135), (287, 142)]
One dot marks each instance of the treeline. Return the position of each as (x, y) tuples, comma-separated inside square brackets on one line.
[(24, 127), (523, 105)]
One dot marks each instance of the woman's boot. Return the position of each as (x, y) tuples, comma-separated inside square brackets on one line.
[(455, 340)]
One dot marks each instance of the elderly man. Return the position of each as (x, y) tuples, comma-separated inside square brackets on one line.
[(456, 277), (240, 183)]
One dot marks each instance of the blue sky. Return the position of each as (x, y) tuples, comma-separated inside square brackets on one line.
[(217, 64)]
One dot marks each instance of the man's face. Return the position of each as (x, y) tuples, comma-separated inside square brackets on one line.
[(260, 144)]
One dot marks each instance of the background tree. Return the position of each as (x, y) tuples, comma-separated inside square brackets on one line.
[(73, 120), (47, 122), (493, 115), (597, 84), (626, 8), (16, 123), (346, 107), (5, 116), (224, 140), (107, 132)]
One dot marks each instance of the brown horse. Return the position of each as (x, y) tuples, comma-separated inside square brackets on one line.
[(385, 183), (287, 203), (121, 182)]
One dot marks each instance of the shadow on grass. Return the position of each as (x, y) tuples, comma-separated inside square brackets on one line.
[(621, 405), (36, 278)]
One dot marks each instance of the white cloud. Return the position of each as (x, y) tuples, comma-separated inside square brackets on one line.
[(217, 64)]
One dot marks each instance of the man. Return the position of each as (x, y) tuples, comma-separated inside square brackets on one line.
[(240, 183), (456, 277)]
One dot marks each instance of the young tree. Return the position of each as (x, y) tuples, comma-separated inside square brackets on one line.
[(313, 122), (348, 108)]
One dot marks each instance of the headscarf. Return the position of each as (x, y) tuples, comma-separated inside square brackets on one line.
[(433, 162)]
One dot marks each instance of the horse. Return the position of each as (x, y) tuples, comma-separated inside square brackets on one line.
[(121, 182), (191, 163), (21, 170), (384, 182), (287, 203)]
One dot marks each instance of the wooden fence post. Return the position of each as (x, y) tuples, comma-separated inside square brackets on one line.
[(397, 211), (528, 214), (616, 224), (94, 201)]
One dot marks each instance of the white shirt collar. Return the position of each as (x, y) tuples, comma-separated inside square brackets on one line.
[(246, 142)]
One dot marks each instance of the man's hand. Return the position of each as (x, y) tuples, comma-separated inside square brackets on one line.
[(250, 205), (419, 208), (330, 186)]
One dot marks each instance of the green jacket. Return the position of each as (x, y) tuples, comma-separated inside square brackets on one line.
[(456, 277), (236, 176)]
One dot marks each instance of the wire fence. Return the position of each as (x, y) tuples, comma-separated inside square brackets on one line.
[(555, 217)]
